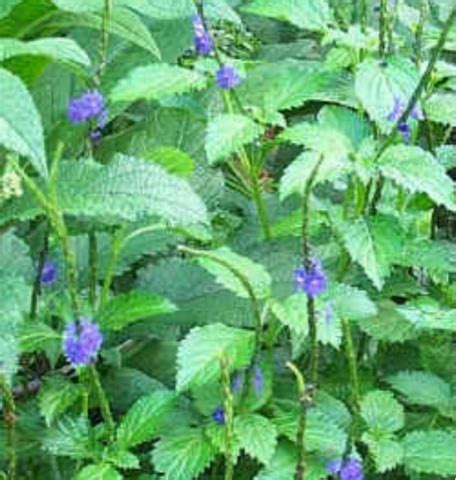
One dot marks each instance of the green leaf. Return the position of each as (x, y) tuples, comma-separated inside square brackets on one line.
[(183, 455), (35, 336), (254, 273), (6, 6), (201, 350), (424, 388), (306, 14), (79, 7), (382, 412), (98, 472), (378, 83), (8, 356), (257, 436), (56, 396), (350, 302), (387, 452), (137, 189), (333, 408), (419, 172), (141, 421), (292, 312), (130, 307), (173, 160), (227, 133), (60, 49), (20, 124), (430, 452), (374, 244), (424, 313), (441, 108), (155, 82), (163, 9)]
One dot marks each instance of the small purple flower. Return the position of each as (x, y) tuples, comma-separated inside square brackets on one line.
[(202, 38), (218, 415), (237, 382), (313, 280), (82, 341), (89, 105), (227, 77), (351, 469), (258, 379), (397, 112), (48, 273)]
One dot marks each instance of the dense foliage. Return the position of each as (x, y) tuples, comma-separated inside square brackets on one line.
[(227, 240)]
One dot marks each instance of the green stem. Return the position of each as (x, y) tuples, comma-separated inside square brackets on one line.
[(116, 248), (363, 15), (229, 418), (383, 27), (352, 364), (36, 292), (103, 400), (419, 32), (104, 43), (301, 466), (9, 416), (93, 268)]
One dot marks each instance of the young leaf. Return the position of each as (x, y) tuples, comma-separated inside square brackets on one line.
[(382, 412), (98, 472), (257, 436), (424, 388), (130, 307), (20, 124), (156, 82), (430, 452), (306, 14), (200, 352), (254, 273), (141, 421), (226, 133), (419, 172), (183, 455)]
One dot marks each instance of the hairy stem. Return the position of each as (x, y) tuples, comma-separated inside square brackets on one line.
[(229, 418), (104, 40), (36, 292), (93, 268), (301, 466), (116, 248), (9, 416), (383, 30), (102, 399), (352, 364)]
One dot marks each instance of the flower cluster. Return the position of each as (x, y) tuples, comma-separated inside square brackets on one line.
[(89, 106), (350, 469), (227, 77), (312, 280), (256, 378), (397, 112), (81, 342), (202, 38), (48, 273)]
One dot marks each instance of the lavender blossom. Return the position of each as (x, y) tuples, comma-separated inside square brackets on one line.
[(218, 415), (90, 105), (82, 341), (396, 113), (237, 382), (258, 379), (313, 280), (350, 469), (227, 78), (202, 38), (48, 273)]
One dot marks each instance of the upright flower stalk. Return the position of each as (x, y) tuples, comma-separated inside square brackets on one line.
[(9, 416), (352, 365), (228, 418)]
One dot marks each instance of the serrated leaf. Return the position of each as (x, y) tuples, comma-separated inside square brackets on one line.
[(382, 412), (130, 307), (387, 452), (20, 124), (430, 452), (378, 83), (36, 336), (254, 273), (419, 172), (424, 388), (441, 108), (56, 396), (201, 350), (98, 472), (333, 408), (350, 302), (155, 82), (141, 421), (257, 436), (306, 14), (61, 49), (424, 313), (292, 312), (228, 132), (183, 455), (127, 189)]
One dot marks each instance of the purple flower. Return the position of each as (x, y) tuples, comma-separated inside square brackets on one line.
[(202, 39), (88, 106), (227, 77), (218, 415), (258, 379), (95, 136), (48, 273), (81, 342), (237, 382), (351, 469), (313, 280), (396, 113)]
